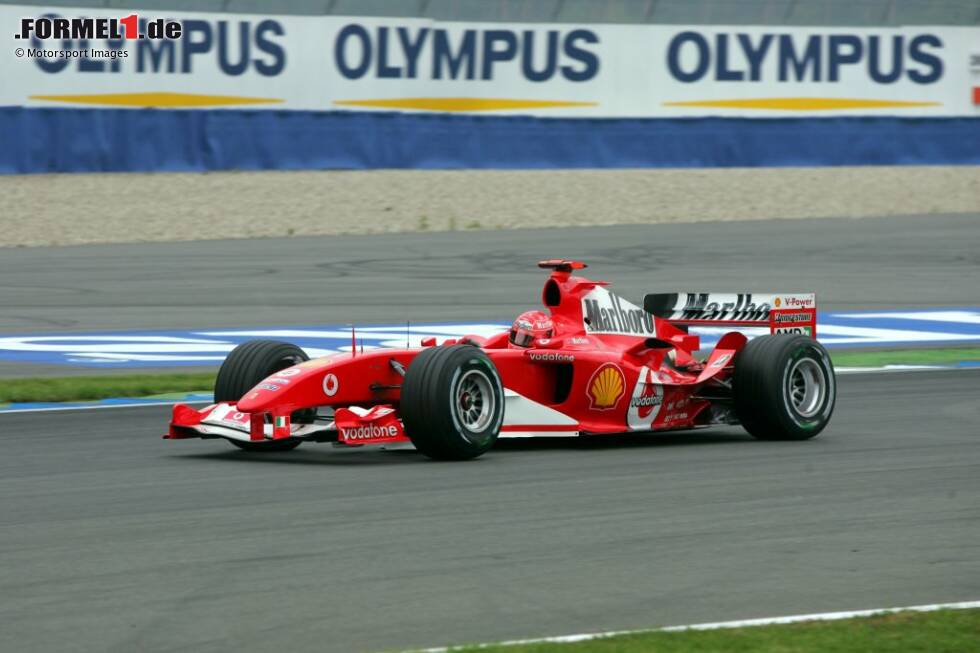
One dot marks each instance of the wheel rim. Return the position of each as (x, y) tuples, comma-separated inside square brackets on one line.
[(475, 402), (807, 387)]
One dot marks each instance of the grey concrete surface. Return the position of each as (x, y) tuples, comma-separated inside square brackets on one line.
[(273, 204), (851, 264), (114, 540)]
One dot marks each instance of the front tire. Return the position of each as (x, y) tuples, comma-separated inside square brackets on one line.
[(452, 402), (244, 368), (784, 387)]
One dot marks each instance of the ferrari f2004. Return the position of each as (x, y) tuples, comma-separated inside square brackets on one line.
[(590, 363)]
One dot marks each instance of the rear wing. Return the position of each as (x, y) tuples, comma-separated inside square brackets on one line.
[(782, 313)]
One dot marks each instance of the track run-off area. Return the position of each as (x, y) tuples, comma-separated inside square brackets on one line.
[(136, 349), (115, 540)]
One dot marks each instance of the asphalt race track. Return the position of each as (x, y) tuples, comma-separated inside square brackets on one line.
[(115, 540), (866, 263)]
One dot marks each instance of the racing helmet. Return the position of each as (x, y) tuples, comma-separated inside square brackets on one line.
[(529, 327)]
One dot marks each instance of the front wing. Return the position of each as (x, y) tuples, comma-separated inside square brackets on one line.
[(523, 418)]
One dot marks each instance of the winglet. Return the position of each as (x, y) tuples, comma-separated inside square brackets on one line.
[(561, 265)]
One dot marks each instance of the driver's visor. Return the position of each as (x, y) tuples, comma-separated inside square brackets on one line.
[(521, 338)]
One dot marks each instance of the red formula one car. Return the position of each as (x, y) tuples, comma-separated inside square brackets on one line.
[(592, 364)]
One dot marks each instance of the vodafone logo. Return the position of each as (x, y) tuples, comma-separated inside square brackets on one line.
[(369, 432), (236, 417), (330, 385), (552, 357), (647, 399)]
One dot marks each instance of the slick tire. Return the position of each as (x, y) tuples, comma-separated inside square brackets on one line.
[(245, 367), (452, 402), (784, 387)]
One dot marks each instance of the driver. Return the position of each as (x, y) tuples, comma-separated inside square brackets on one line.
[(530, 327)]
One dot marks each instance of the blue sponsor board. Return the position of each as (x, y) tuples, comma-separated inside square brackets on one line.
[(134, 349), (42, 140)]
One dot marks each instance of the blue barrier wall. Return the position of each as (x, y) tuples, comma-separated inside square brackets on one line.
[(123, 140)]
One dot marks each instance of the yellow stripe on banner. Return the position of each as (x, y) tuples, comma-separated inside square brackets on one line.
[(157, 100), (461, 104), (803, 104)]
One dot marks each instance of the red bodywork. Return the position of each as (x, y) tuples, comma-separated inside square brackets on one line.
[(610, 367)]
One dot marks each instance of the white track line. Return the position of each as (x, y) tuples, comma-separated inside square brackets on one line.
[(168, 402), (896, 368), (719, 625)]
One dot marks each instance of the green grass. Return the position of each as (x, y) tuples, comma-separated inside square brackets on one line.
[(86, 388), (90, 388), (877, 358), (945, 631)]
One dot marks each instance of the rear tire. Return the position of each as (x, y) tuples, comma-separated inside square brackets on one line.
[(244, 368), (784, 387), (452, 402)]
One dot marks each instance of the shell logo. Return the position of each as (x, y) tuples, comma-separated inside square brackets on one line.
[(606, 387), (777, 302)]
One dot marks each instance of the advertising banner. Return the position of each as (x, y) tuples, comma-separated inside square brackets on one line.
[(117, 58)]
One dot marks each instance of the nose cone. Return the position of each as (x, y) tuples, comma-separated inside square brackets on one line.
[(316, 382), (257, 400), (279, 388)]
